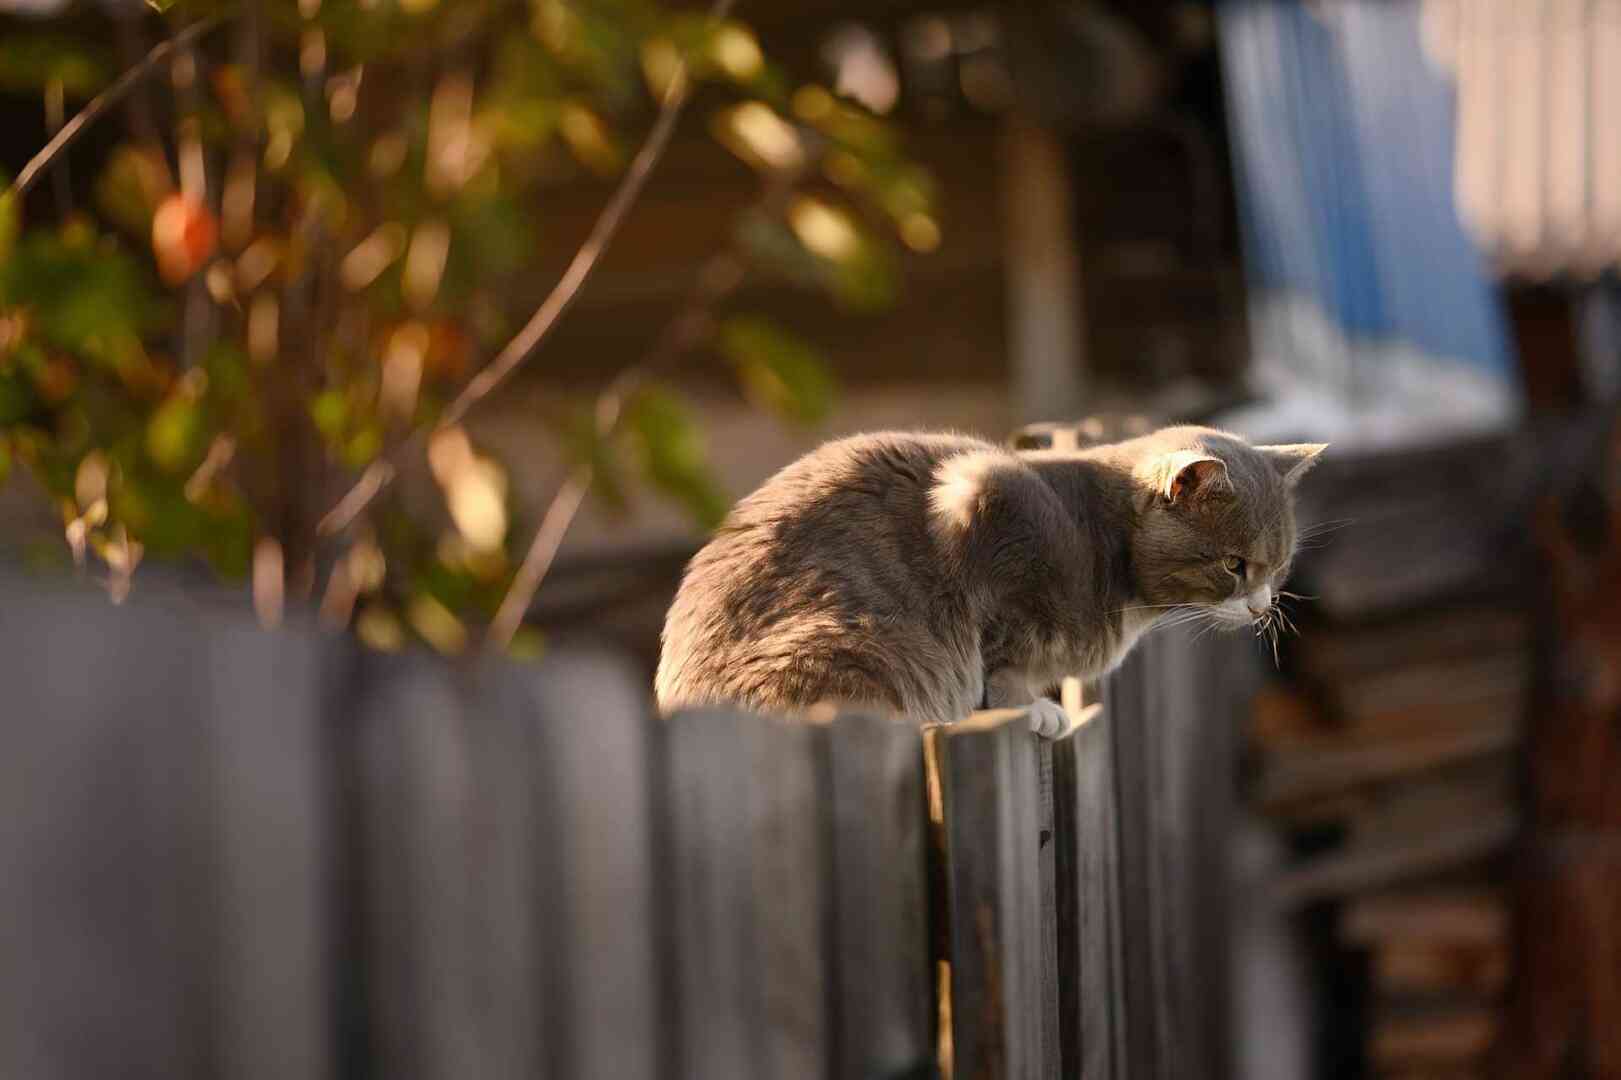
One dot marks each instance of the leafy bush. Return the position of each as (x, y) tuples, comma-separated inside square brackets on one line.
[(291, 285)]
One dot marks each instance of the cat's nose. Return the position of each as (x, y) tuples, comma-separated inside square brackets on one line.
[(1260, 600)]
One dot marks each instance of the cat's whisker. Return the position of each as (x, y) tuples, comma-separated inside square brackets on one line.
[(1322, 528), (1182, 618), (1287, 595), (1149, 607)]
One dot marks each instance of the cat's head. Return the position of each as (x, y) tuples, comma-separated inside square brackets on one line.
[(1216, 521)]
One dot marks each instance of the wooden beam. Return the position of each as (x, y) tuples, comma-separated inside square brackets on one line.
[(1043, 276)]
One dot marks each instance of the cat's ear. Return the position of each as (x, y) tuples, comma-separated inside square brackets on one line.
[(1293, 460), (1191, 474)]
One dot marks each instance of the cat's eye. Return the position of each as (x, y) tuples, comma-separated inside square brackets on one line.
[(1234, 564)]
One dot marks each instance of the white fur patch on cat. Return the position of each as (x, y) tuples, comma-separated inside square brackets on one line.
[(958, 482)]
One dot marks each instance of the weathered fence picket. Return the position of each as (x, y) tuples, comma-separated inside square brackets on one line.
[(433, 884), (262, 721), (748, 893), (1086, 838), (227, 853), (595, 747), (1174, 709), (988, 771), (884, 980)]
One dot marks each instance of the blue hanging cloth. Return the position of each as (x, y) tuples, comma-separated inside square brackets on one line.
[(1373, 317)]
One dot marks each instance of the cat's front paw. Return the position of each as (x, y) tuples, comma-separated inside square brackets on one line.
[(1048, 718)]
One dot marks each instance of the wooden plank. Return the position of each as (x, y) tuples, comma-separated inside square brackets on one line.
[(1359, 868), (1408, 969), (590, 716), (748, 870), (1042, 267), (1177, 705), (512, 954), (1128, 698), (268, 701), (881, 1012), (1286, 721), (451, 908), (1461, 792), (105, 862), (1458, 1035), (1051, 998), (1336, 653), (1469, 917), (1447, 682), (989, 771), (1086, 828), (1304, 774)]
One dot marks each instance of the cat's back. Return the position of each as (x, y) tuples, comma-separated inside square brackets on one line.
[(826, 563)]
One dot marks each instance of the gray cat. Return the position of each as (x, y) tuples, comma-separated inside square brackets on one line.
[(930, 575)]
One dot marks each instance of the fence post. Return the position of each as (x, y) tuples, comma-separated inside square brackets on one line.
[(161, 862), (1086, 829), (451, 908), (987, 770), (268, 702), (590, 715), (880, 948), (1172, 731), (746, 868)]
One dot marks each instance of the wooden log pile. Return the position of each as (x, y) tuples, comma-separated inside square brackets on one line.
[(1389, 746)]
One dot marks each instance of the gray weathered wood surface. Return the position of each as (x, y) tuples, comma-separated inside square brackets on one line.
[(989, 774), (227, 853), (1086, 841), (883, 979), (747, 895)]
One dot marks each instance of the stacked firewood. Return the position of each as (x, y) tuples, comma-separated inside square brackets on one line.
[(1389, 747), (1398, 743)]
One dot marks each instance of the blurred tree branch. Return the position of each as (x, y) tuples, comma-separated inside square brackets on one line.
[(280, 299), (719, 278), (523, 344), (70, 132)]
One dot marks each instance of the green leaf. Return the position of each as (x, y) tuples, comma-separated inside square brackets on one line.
[(674, 456), (779, 370), (363, 446), (88, 297), (868, 280), (330, 412), (174, 435)]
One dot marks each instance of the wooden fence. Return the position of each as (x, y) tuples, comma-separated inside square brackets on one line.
[(227, 853)]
